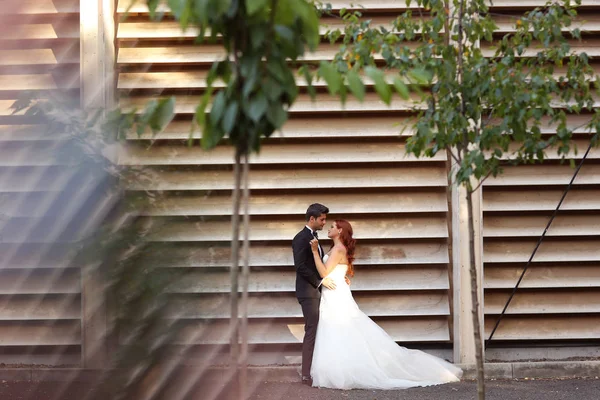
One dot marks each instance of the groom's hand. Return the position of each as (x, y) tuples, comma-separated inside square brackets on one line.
[(328, 283)]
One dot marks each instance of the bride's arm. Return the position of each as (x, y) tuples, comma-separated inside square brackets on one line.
[(333, 260)]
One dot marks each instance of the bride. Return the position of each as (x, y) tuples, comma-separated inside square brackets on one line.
[(352, 351)]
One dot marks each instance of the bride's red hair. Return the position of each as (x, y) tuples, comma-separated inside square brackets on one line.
[(348, 241)]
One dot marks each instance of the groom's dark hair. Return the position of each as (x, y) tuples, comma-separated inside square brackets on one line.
[(315, 210)]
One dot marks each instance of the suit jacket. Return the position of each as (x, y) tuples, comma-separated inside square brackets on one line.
[(307, 277)]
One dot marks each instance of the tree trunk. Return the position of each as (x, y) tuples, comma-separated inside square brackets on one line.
[(245, 280), (475, 301), (234, 269)]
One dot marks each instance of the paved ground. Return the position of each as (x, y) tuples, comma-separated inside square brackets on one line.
[(496, 390), (570, 389)]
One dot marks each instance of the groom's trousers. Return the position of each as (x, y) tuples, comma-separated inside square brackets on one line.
[(310, 310)]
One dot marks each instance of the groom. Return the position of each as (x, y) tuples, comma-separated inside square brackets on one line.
[(309, 283)]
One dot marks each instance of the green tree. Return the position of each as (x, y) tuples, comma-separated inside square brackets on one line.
[(263, 42), (484, 110)]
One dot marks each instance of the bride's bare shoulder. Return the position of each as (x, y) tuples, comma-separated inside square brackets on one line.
[(339, 249)]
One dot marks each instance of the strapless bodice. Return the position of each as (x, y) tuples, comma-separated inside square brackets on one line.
[(339, 272)]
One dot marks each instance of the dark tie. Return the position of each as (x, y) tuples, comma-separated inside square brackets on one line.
[(316, 235)]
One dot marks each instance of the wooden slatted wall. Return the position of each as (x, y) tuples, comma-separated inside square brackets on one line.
[(559, 300), (351, 159), (40, 313)]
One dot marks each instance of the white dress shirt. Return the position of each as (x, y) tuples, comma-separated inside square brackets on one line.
[(320, 249)]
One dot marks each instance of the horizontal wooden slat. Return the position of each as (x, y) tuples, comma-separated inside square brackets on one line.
[(39, 281), (16, 83), (554, 302), (140, 6), (367, 5), (39, 307), (589, 46), (31, 205), (274, 332), (31, 256), (314, 179), (579, 148), (52, 356), (323, 103), (574, 122), (367, 254), (265, 306), (380, 279), (40, 333), (205, 54), (197, 80), (22, 154), (208, 54), (27, 133), (27, 82), (565, 276), (529, 4), (523, 226), (541, 175), (166, 29), (345, 126), (36, 179), (68, 54), (587, 22), (335, 127), (35, 7), (549, 251), (298, 154), (545, 328), (534, 200), (393, 228), (62, 29), (296, 204)]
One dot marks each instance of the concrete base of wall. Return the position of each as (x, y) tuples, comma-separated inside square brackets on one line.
[(516, 370)]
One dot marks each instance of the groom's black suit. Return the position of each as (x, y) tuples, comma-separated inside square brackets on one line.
[(308, 292)]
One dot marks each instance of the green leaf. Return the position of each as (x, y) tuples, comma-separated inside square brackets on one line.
[(309, 81), (201, 109), (331, 76), (152, 6), (218, 108), (381, 86), (258, 107), (182, 11), (401, 88), (253, 6), (310, 21), (201, 8), (162, 115), (420, 76), (230, 117), (277, 115), (211, 136), (356, 85)]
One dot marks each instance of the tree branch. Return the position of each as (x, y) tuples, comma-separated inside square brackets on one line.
[(481, 181)]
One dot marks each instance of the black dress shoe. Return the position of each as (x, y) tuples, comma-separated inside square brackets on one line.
[(307, 380)]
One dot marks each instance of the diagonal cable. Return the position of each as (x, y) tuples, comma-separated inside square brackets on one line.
[(539, 242)]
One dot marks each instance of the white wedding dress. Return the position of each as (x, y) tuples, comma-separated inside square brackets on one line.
[(353, 352)]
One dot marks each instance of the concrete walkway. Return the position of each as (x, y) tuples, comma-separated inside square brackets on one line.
[(573, 389), (552, 389)]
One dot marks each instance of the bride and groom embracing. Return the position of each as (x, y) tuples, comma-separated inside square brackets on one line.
[(343, 348)]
